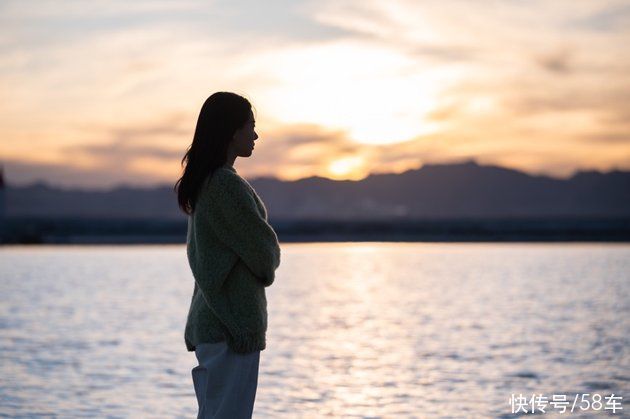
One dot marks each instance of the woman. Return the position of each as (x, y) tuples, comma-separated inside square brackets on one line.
[(233, 253)]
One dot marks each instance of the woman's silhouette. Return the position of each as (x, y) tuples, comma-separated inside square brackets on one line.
[(232, 252)]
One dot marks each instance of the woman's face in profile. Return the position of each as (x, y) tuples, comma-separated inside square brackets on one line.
[(243, 141)]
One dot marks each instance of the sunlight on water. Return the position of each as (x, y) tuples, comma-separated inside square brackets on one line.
[(355, 329)]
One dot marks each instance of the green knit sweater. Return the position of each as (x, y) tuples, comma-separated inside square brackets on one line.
[(233, 253)]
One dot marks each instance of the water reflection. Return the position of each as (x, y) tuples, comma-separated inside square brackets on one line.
[(355, 329)]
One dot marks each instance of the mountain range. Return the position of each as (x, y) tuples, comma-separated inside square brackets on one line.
[(434, 191)]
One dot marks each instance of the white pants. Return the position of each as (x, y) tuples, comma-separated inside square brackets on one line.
[(225, 381)]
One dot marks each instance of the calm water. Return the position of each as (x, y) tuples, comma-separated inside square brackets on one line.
[(355, 330)]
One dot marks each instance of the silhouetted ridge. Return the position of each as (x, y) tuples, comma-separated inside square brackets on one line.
[(433, 191)]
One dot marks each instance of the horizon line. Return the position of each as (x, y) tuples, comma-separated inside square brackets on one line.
[(468, 161)]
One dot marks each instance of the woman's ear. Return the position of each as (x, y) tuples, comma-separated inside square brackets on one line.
[(236, 132)]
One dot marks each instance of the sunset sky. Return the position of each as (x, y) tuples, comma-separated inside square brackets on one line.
[(100, 93)]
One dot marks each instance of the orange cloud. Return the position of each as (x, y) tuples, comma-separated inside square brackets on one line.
[(342, 89)]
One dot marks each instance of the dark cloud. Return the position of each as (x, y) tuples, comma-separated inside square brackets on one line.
[(618, 113), (421, 148), (525, 103), (607, 19), (175, 124), (611, 100), (335, 141), (281, 147), (19, 173), (127, 143), (558, 62), (122, 151), (607, 137)]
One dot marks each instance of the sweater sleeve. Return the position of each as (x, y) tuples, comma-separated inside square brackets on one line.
[(237, 221)]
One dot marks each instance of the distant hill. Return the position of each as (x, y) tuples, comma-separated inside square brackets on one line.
[(435, 191)]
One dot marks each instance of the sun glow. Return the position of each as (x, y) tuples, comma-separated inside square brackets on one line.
[(346, 168), (376, 95)]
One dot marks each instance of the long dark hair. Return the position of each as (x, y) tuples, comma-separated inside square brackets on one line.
[(220, 116)]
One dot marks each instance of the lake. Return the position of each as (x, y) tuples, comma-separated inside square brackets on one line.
[(355, 330)]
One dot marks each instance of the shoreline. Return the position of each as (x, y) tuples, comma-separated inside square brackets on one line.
[(27, 230)]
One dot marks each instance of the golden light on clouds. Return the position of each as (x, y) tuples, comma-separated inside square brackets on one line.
[(341, 89), (346, 168), (374, 94)]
